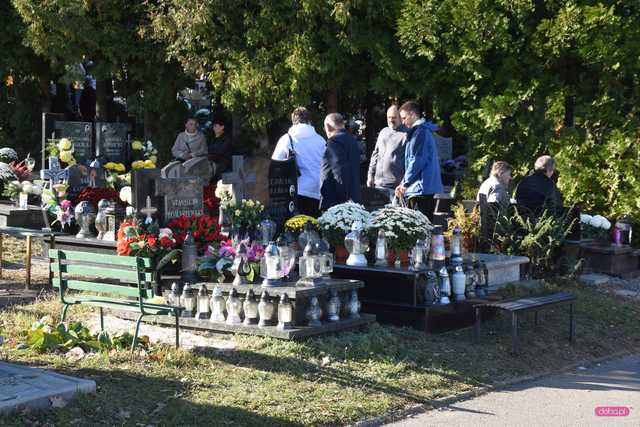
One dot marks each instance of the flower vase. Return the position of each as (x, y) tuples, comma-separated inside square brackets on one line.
[(391, 258), (404, 257), (341, 254)]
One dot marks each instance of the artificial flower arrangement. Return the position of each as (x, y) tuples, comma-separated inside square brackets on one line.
[(209, 198), (594, 227), (135, 238), (63, 149), (245, 215), (115, 177), (336, 222), (55, 203), (145, 154), (95, 194), (204, 229), (15, 188), (402, 226), (218, 261), (296, 223)]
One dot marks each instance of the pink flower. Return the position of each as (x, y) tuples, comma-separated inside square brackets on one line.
[(65, 204)]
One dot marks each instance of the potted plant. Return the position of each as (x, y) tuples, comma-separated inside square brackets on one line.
[(469, 225), (336, 222), (594, 227), (402, 227)]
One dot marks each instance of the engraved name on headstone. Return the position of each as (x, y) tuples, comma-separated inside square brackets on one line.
[(181, 196), (81, 134), (113, 141)]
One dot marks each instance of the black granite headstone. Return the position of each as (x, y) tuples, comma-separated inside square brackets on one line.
[(79, 178), (112, 140), (143, 184), (81, 134), (283, 194), (373, 198)]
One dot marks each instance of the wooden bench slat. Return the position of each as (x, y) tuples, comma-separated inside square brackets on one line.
[(98, 258), (121, 305), (80, 285), (128, 276), (532, 302)]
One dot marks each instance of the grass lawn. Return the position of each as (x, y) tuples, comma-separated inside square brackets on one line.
[(329, 380)]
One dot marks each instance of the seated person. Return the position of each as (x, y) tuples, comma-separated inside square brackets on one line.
[(538, 191), (495, 188), (219, 147), (190, 143)]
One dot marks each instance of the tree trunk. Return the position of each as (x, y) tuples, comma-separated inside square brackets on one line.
[(568, 111), (104, 98), (370, 119), (331, 100)]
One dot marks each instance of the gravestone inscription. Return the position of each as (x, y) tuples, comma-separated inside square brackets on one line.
[(112, 140), (79, 179), (283, 194), (81, 134), (181, 196)]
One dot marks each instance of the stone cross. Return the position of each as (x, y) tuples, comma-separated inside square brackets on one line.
[(238, 178), (148, 211), (55, 173)]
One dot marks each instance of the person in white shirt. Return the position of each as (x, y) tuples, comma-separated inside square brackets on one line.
[(496, 187), (309, 148)]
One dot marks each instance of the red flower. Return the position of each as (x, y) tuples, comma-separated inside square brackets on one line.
[(152, 241), (166, 242)]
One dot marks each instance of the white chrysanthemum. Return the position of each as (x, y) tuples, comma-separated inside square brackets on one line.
[(585, 218), (597, 221)]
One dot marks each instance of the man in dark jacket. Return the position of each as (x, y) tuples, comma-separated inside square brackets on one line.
[(339, 173), (538, 191), (220, 148)]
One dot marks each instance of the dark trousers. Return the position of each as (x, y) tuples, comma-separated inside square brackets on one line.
[(309, 206), (425, 204)]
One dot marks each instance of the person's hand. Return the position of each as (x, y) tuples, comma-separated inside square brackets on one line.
[(400, 189), (370, 182), (188, 156)]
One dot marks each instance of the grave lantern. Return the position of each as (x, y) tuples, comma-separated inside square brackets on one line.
[(189, 255), (418, 256), (204, 312), (437, 254), (266, 310), (623, 231), (271, 266), (285, 313), (173, 296), (357, 243), (188, 301), (234, 308), (311, 266), (224, 219), (458, 283), (266, 230), (456, 246), (470, 278), (240, 267), (250, 307), (288, 257), (218, 305), (381, 249), (445, 286), (309, 233), (324, 249)]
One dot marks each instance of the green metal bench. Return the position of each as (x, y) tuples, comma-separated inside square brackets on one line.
[(120, 283)]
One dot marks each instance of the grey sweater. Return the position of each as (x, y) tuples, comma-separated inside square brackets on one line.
[(387, 160)]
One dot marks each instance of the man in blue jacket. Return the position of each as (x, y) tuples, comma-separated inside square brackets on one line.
[(340, 171), (422, 168)]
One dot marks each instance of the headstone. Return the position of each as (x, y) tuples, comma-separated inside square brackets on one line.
[(81, 134), (112, 140), (79, 179), (181, 196), (373, 199), (48, 131), (200, 167), (172, 170), (143, 183), (444, 147), (282, 192), (238, 178)]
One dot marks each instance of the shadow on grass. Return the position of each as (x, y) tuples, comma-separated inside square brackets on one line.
[(124, 398)]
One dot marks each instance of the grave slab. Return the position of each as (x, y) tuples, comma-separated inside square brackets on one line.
[(26, 388), (501, 269), (594, 279)]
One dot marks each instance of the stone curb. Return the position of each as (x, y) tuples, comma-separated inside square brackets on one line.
[(479, 391)]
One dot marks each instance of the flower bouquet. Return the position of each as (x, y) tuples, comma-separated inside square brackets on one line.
[(296, 223), (218, 261), (115, 176), (63, 149), (204, 228), (135, 238), (336, 222), (55, 203), (245, 215), (594, 227), (94, 194), (144, 154), (402, 226)]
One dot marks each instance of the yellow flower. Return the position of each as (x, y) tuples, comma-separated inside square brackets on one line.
[(138, 164), (136, 145), (119, 167), (148, 164), (110, 166), (66, 156), (65, 144), (154, 159)]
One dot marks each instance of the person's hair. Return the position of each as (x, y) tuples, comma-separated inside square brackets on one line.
[(335, 120), (394, 106), (545, 163), (300, 115), (218, 121), (195, 119), (411, 106), (500, 168)]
